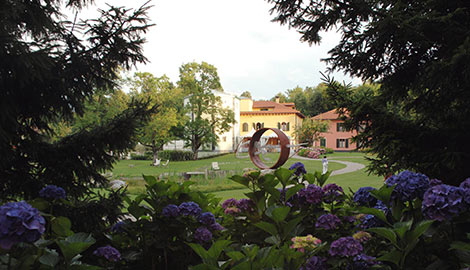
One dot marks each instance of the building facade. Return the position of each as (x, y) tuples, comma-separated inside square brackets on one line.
[(336, 138), (269, 114)]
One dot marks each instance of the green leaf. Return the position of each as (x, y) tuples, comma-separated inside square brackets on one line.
[(40, 204), (203, 266), (200, 250), (372, 211), (283, 175), (217, 248), (75, 244), (460, 245), (386, 233), (383, 193), (292, 191), (280, 213), (267, 227), (150, 180), (393, 257), (241, 180), (61, 226), (402, 227), (51, 258), (235, 255), (289, 227), (310, 178), (84, 266), (420, 229)]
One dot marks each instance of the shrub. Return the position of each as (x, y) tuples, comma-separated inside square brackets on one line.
[(140, 157), (175, 155)]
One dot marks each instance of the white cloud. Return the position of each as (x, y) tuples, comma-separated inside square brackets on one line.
[(249, 51)]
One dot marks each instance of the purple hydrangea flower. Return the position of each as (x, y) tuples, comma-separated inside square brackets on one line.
[(349, 219), (315, 263), (170, 210), (370, 221), (19, 222), (202, 235), (328, 222), (435, 182), (189, 209), (230, 203), (246, 205), (332, 192), (465, 184), (206, 218), (345, 247), (409, 185), (362, 262), (443, 202), (52, 192), (364, 198), (216, 227), (311, 194), (110, 253), (299, 168)]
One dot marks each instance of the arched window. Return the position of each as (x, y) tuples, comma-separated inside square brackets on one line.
[(284, 126), (245, 127), (259, 125)]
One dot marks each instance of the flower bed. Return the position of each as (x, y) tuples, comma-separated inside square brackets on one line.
[(289, 220)]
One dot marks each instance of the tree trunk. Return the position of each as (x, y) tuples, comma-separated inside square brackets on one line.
[(155, 154)]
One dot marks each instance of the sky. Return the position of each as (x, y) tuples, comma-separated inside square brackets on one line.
[(250, 52)]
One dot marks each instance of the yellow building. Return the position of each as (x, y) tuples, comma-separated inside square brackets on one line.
[(269, 114)]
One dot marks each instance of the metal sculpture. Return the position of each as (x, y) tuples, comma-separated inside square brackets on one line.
[(255, 149)]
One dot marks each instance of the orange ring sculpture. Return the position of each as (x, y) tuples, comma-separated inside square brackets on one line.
[(284, 142)]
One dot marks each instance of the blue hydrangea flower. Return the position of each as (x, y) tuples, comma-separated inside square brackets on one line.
[(118, 227), (345, 247), (328, 222), (170, 210), (442, 202), (409, 185), (364, 198), (202, 235), (299, 168), (206, 218), (19, 222), (52, 192), (110, 253), (332, 192), (315, 263), (189, 209), (312, 194), (435, 182), (370, 221), (465, 184)]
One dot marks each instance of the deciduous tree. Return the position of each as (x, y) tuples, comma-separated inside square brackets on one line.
[(310, 130), (205, 115)]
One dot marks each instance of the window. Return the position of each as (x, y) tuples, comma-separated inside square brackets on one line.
[(340, 127), (342, 143), (245, 127), (323, 142), (259, 125), (224, 139), (264, 109), (284, 126)]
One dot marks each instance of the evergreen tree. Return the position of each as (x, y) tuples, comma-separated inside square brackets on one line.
[(419, 52), (50, 66)]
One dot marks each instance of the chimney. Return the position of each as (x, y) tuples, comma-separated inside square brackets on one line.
[(277, 99)]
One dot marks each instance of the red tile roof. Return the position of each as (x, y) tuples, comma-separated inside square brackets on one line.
[(275, 107), (329, 115)]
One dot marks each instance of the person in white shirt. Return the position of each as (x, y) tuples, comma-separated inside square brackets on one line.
[(325, 165)]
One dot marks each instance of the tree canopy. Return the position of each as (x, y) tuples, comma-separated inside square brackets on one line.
[(205, 115), (419, 52), (50, 67)]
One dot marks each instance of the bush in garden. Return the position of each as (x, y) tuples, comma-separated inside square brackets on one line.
[(175, 155), (312, 152)]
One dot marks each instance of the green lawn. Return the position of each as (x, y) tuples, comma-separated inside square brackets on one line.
[(221, 186)]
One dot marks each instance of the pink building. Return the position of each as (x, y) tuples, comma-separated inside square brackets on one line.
[(337, 137)]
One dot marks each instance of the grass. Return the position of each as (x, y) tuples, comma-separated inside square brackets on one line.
[(221, 186)]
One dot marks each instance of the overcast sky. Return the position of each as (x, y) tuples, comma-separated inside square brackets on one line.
[(236, 36)]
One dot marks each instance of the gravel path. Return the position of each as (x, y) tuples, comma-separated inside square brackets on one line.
[(350, 166)]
